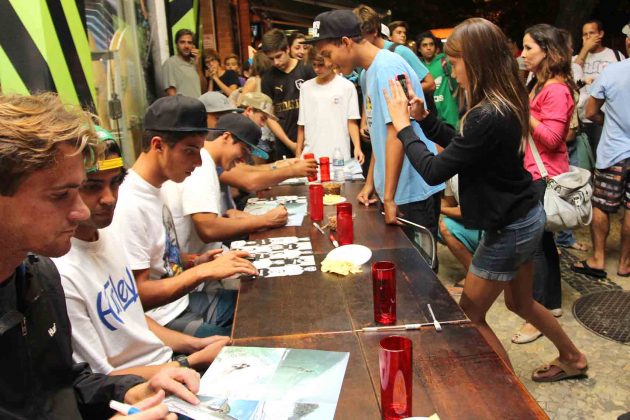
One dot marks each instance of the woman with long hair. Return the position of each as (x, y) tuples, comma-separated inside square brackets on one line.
[(547, 56), (496, 192)]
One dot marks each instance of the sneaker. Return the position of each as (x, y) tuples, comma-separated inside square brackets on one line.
[(556, 312)]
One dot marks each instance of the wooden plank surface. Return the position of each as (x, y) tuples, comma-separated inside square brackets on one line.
[(457, 375), (369, 227), (456, 372), (357, 399)]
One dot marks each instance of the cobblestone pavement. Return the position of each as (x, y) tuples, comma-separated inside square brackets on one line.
[(605, 394)]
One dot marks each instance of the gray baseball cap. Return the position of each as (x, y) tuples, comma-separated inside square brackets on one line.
[(217, 102)]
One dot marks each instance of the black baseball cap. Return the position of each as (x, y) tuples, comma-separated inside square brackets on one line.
[(243, 129), (176, 113), (335, 24)]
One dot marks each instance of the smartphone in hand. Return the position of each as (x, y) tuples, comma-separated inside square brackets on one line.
[(403, 82)]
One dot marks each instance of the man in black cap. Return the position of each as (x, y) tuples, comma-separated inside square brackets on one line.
[(337, 35), (202, 225), (174, 131)]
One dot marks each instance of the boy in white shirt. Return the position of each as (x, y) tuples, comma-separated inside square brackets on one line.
[(196, 202), (175, 130), (109, 329), (329, 113)]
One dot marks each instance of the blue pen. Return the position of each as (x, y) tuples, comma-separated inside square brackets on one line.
[(123, 408)]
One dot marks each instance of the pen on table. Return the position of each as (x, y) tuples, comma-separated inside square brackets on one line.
[(319, 228), (437, 325), (333, 240), (123, 408), (410, 326), (395, 327)]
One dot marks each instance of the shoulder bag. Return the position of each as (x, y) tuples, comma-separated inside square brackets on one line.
[(567, 199)]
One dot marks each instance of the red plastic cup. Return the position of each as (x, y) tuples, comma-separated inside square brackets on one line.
[(310, 156), (384, 289), (345, 228), (316, 202), (395, 368), (324, 169)]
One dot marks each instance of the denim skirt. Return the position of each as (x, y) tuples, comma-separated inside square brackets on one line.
[(501, 252)]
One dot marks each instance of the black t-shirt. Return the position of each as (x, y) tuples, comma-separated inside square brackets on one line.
[(284, 91), (229, 78)]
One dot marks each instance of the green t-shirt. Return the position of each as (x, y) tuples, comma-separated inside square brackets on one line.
[(444, 86)]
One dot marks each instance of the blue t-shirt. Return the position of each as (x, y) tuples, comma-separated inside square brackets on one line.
[(613, 85), (411, 59), (386, 66)]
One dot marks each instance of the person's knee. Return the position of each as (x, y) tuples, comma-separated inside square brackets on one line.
[(475, 316)]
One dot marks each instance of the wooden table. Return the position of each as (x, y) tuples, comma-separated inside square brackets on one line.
[(456, 373)]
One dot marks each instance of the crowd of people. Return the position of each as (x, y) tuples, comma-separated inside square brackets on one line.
[(126, 271)]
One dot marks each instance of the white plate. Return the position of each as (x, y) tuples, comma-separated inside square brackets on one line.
[(341, 200), (356, 254)]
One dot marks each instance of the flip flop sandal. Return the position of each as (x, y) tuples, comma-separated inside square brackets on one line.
[(522, 338), (623, 275), (566, 372), (588, 270)]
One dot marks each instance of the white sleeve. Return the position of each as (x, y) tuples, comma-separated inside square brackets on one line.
[(353, 103), (86, 343), (201, 192), (448, 190), (302, 113), (131, 230)]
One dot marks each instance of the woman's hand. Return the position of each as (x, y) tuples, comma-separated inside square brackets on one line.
[(400, 108)]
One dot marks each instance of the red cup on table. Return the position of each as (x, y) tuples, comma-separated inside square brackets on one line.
[(384, 292), (324, 169), (316, 202), (395, 368), (345, 227), (310, 156)]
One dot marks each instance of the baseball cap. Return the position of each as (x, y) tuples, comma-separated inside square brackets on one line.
[(243, 129), (176, 113), (385, 30), (104, 164), (217, 102), (626, 30), (260, 101), (335, 24)]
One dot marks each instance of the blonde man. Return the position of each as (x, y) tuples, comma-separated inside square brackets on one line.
[(43, 146)]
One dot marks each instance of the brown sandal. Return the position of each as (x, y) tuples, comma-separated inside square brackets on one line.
[(566, 372)]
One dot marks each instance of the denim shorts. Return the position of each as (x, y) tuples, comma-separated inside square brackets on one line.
[(501, 253)]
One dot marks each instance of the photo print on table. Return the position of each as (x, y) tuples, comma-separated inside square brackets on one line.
[(279, 257)]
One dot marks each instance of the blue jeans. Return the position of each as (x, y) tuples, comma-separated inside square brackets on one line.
[(565, 238)]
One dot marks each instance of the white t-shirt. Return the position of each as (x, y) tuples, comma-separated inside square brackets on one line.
[(324, 113), (199, 193), (452, 188), (146, 229), (109, 329), (592, 68)]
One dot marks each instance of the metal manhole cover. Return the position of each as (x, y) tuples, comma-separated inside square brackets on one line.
[(607, 314)]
